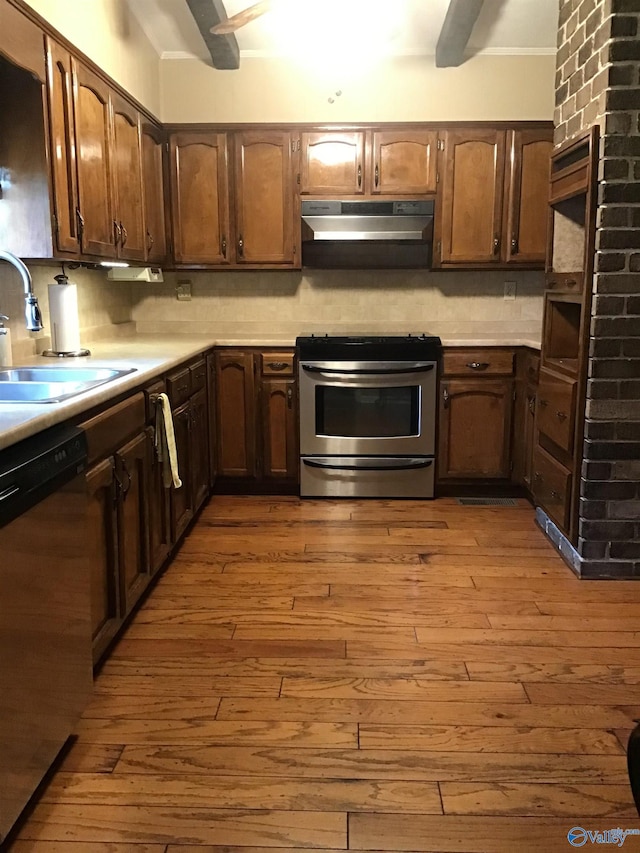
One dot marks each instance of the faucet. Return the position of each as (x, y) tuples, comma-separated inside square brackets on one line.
[(32, 309)]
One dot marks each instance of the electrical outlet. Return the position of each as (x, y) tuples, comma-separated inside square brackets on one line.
[(183, 290), (510, 289)]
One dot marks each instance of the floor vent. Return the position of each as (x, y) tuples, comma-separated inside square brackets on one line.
[(487, 502)]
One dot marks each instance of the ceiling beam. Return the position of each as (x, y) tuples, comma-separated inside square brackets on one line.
[(224, 50), (454, 36)]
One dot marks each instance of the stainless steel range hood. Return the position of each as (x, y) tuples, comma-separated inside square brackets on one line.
[(396, 221), (372, 234)]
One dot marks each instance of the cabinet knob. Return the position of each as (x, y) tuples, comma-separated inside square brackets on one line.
[(496, 245), (117, 232), (123, 234), (125, 485), (289, 397), (150, 240), (80, 221), (277, 365), (555, 494), (543, 403), (537, 477), (514, 245), (531, 401), (241, 246), (359, 175), (477, 365), (445, 397), (377, 175), (561, 416), (223, 245)]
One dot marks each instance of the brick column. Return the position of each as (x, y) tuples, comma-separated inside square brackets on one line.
[(599, 82)]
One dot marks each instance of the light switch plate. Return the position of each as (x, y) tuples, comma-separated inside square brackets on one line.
[(510, 289), (183, 291)]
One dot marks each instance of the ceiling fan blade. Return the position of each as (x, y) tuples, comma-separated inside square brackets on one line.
[(245, 17)]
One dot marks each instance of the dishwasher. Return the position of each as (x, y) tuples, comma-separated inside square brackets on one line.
[(45, 633)]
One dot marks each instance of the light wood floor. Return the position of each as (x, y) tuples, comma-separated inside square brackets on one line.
[(363, 675)]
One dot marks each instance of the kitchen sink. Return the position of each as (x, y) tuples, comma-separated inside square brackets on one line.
[(53, 384)]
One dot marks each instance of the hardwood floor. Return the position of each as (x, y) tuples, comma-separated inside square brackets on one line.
[(362, 675)]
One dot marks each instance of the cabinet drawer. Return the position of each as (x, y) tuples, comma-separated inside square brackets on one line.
[(108, 430), (478, 362), (198, 373), (552, 487), (276, 363), (556, 409), (179, 387)]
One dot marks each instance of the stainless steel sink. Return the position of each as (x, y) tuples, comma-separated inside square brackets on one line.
[(52, 384)]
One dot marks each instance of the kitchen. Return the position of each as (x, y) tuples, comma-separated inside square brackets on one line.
[(275, 307)]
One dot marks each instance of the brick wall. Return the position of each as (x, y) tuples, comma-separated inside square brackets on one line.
[(599, 82)]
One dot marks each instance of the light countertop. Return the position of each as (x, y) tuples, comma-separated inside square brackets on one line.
[(150, 355)]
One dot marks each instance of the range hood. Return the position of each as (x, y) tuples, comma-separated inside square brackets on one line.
[(367, 234), (367, 220)]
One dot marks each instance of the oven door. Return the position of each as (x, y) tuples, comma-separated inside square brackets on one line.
[(367, 408)]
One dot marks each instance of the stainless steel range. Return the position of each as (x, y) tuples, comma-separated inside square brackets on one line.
[(368, 415)]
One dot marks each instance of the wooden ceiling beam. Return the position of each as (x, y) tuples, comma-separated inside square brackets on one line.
[(457, 27), (224, 50)]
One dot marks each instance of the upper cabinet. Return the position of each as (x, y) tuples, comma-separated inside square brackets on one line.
[(371, 162), (492, 197), (107, 175), (233, 199)]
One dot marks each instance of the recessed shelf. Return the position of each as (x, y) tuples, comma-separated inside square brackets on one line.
[(562, 321)]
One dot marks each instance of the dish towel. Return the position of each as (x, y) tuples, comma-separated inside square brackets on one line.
[(165, 443)]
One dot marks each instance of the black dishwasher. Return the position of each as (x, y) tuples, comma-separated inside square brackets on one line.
[(45, 633)]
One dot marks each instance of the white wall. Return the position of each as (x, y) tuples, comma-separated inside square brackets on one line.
[(411, 88), (107, 32)]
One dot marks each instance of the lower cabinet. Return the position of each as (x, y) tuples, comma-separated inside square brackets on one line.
[(476, 403), (524, 419), (256, 420)]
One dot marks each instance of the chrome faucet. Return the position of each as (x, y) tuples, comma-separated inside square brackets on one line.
[(32, 309)]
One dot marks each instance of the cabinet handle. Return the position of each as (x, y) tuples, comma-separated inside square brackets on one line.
[(359, 175), (514, 245), (117, 232), (531, 401), (289, 397), (150, 241), (124, 233), (445, 397), (555, 494), (496, 245), (241, 246), (571, 282), (125, 488), (537, 477), (223, 245), (377, 175), (561, 416), (477, 365), (543, 403), (277, 365), (80, 221)]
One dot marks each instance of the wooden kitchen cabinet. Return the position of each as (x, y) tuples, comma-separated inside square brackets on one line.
[(368, 162), (256, 419), (127, 181), (91, 110), (132, 472), (153, 166), (233, 198), (182, 506), (524, 416), (492, 197), (476, 402), (200, 198)]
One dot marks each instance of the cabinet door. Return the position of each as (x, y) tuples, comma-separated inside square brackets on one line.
[(153, 185), (182, 498), (91, 109), (404, 162), (211, 391), (475, 428), (332, 163), (279, 429), (199, 447), (472, 176), (235, 414), (63, 147), (200, 198), (529, 434), (264, 198), (102, 543), (127, 180), (132, 473), (526, 218)]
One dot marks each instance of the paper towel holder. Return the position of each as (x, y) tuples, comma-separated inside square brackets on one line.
[(62, 280)]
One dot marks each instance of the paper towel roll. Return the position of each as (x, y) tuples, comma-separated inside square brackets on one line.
[(63, 317)]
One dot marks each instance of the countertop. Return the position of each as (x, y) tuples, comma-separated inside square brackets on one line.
[(150, 355)]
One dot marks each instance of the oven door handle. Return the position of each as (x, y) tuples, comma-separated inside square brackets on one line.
[(382, 371), (396, 464)]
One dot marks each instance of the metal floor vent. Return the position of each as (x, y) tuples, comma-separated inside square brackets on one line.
[(487, 502)]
